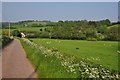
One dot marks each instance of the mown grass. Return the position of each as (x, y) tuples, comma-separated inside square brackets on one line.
[(46, 67), (106, 51)]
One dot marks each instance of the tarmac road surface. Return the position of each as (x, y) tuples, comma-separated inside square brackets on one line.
[(14, 62)]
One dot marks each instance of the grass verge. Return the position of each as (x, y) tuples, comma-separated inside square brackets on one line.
[(46, 66)]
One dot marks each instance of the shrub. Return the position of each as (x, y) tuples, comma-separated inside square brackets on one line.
[(6, 40), (16, 33), (33, 35), (44, 34), (100, 36), (91, 39)]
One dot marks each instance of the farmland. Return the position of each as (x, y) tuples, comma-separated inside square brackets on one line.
[(52, 40), (106, 51), (24, 29), (21, 29), (71, 49), (52, 59)]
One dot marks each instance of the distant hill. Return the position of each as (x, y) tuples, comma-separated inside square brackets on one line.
[(45, 23)]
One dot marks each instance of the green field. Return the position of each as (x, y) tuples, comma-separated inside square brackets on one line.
[(104, 51), (22, 29), (77, 49), (25, 29)]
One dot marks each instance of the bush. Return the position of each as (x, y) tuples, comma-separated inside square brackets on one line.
[(33, 35), (100, 36), (91, 39), (16, 33), (44, 34), (5, 41)]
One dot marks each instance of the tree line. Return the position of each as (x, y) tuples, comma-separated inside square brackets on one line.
[(79, 30)]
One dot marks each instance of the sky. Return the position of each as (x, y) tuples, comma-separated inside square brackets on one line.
[(55, 11), (60, 0)]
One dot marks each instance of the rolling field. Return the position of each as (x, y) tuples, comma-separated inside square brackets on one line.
[(24, 29), (100, 52), (36, 29)]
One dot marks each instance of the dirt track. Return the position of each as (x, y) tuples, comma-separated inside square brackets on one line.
[(14, 62)]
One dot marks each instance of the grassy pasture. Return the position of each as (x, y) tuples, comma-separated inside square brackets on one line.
[(25, 29), (37, 29), (104, 51), (22, 29)]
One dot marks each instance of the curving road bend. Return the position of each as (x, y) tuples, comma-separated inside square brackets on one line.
[(14, 62)]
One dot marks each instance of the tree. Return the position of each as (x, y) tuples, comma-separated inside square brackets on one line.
[(5, 25), (113, 33), (92, 23), (91, 32), (105, 22), (102, 29)]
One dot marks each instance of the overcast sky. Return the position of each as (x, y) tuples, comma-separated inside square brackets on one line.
[(54, 11)]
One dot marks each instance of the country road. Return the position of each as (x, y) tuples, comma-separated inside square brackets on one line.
[(14, 62)]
